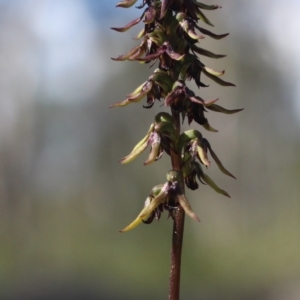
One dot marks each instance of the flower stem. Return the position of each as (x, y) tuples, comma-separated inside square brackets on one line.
[(177, 238), (178, 225)]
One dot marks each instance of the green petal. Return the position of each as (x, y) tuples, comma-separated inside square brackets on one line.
[(190, 30), (163, 80), (156, 201), (218, 108), (213, 72), (217, 79), (166, 129), (187, 136), (211, 34), (218, 162), (203, 155), (154, 153), (120, 104), (188, 165), (211, 183), (207, 7), (138, 219), (145, 138), (202, 17), (138, 149), (158, 195), (192, 34), (137, 95), (163, 117), (137, 90), (140, 34), (207, 53), (133, 224), (158, 37), (208, 127), (208, 103), (183, 201), (130, 157)]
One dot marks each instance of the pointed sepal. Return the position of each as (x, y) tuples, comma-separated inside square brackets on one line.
[(126, 3)]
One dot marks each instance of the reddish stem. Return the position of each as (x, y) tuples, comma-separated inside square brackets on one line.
[(177, 238), (178, 226)]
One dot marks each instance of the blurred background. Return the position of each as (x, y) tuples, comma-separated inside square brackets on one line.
[(64, 196)]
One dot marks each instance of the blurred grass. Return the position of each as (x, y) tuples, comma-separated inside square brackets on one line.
[(62, 243)]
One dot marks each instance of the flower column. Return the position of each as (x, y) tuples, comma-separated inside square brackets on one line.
[(170, 38)]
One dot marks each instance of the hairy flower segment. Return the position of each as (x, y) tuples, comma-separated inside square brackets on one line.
[(170, 39)]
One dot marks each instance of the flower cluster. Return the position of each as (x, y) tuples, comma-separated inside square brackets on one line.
[(170, 39)]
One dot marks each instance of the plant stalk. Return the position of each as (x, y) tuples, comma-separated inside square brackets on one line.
[(178, 225)]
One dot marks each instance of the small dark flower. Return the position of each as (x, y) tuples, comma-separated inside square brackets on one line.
[(193, 171), (164, 53), (194, 147), (181, 96), (160, 197), (195, 113), (158, 85), (160, 137)]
